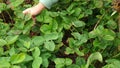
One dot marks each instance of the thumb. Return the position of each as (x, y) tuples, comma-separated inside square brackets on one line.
[(26, 11)]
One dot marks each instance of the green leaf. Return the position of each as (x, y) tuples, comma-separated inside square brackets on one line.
[(93, 57), (17, 58), (1, 51), (28, 27), (24, 40), (2, 42), (112, 24), (45, 29), (69, 51), (51, 36), (3, 6), (38, 40), (78, 52), (19, 24), (109, 35), (78, 23), (14, 32), (37, 62), (112, 63), (4, 63), (77, 11), (16, 3), (12, 51), (80, 61), (82, 39), (77, 35), (68, 61), (54, 14), (73, 66), (70, 7), (20, 15), (59, 62), (67, 23), (117, 42), (70, 31), (88, 12), (81, 15), (47, 18), (36, 52), (54, 25), (40, 18), (49, 45), (92, 34), (27, 17), (15, 66), (66, 20), (3, 28), (45, 62), (25, 43), (118, 35), (28, 58), (11, 39), (96, 43), (44, 17), (98, 3), (99, 30), (71, 42)]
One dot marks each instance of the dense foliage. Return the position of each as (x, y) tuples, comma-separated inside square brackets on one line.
[(72, 34)]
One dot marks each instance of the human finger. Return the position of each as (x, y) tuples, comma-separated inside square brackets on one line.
[(26, 11)]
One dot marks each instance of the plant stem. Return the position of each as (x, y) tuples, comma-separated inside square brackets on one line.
[(3, 17), (116, 55), (99, 21), (9, 16)]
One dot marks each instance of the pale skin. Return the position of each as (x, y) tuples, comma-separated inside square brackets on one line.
[(33, 11)]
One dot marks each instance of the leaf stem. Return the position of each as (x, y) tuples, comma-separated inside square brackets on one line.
[(116, 55), (99, 21)]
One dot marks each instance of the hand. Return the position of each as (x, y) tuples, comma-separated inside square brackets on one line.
[(33, 11)]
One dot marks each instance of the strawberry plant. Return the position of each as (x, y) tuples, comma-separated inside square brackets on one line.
[(72, 34)]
